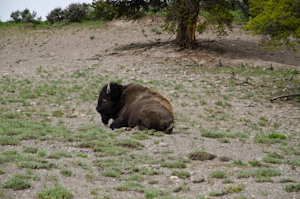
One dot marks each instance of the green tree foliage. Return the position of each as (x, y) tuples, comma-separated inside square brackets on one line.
[(56, 15), (182, 18), (277, 21), (75, 12), (111, 9), (25, 16), (105, 10)]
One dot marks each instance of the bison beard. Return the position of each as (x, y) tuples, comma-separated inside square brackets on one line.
[(135, 105)]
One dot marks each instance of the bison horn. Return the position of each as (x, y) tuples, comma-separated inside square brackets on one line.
[(108, 89)]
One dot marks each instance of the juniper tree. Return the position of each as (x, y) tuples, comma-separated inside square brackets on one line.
[(277, 21)]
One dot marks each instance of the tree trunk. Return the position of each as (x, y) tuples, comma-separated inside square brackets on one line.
[(186, 32)]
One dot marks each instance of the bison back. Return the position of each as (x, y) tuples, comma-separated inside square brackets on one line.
[(152, 115)]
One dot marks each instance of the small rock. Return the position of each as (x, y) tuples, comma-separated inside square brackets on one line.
[(182, 126), (155, 167), (163, 144), (32, 103), (83, 115), (69, 98), (174, 177)]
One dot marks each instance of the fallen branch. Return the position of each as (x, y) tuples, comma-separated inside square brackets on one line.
[(282, 96)]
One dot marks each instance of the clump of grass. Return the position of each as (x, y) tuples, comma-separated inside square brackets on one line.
[(292, 188), (183, 187), (82, 155), (232, 189), (214, 193), (264, 179), (266, 172), (111, 172), (17, 183), (41, 153), (277, 136), (58, 113), (227, 181), (140, 136), (181, 174), (238, 163), (224, 140), (255, 163), (272, 160), (36, 164), (130, 143), (66, 172), (244, 174), (267, 140), (1, 171), (30, 149), (167, 151), (152, 181), (201, 155), (212, 135), (94, 191), (57, 155), (284, 180), (173, 164), (218, 174), (136, 177), (259, 173), (127, 186), (157, 193), (148, 172), (92, 37), (56, 192)]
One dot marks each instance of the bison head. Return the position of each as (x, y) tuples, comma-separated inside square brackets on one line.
[(109, 101)]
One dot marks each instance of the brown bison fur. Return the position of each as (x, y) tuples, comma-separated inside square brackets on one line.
[(135, 105)]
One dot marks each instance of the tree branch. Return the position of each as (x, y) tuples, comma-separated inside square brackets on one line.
[(282, 96)]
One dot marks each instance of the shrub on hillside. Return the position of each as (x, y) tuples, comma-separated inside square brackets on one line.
[(16, 16), (75, 12), (25, 16), (56, 15)]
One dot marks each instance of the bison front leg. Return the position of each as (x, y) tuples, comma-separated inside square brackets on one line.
[(118, 123)]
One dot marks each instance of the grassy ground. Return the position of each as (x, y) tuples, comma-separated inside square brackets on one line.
[(229, 139)]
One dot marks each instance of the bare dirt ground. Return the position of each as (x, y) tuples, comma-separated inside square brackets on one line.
[(205, 98)]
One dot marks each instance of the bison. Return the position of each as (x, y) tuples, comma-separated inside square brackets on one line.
[(135, 105)]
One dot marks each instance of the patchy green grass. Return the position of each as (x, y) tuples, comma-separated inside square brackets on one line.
[(56, 192), (234, 189), (173, 164), (264, 172), (292, 188), (130, 185), (285, 180), (181, 174), (19, 181), (66, 172), (183, 187), (218, 174)]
